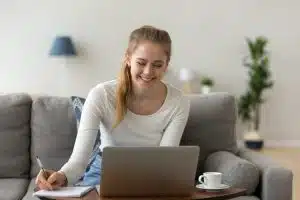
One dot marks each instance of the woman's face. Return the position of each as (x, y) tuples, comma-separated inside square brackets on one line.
[(148, 64)]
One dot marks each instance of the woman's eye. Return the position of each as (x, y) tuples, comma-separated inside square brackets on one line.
[(140, 63), (157, 66)]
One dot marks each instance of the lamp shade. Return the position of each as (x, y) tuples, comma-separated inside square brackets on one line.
[(62, 46)]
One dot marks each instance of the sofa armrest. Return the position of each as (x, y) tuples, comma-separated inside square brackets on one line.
[(276, 181), (237, 172)]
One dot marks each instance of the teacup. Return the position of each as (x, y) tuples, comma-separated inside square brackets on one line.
[(211, 179)]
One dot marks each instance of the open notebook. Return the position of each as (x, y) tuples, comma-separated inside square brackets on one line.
[(76, 191)]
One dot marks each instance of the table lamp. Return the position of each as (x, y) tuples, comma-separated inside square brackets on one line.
[(186, 76)]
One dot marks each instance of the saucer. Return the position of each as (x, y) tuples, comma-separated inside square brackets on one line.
[(219, 188)]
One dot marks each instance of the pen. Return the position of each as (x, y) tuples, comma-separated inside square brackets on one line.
[(41, 166)]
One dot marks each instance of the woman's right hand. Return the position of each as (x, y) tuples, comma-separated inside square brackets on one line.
[(50, 179)]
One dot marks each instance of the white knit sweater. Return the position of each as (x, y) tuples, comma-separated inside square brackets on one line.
[(163, 128)]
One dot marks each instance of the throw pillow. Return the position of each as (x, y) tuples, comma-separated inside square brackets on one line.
[(237, 172), (77, 104)]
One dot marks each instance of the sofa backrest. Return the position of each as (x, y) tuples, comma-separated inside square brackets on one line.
[(53, 132), (15, 112), (211, 125), (45, 126)]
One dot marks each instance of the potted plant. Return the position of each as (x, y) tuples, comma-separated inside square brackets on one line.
[(249, 103), (206, 84)]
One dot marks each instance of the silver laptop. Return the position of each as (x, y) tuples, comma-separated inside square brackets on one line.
[(148, 171)]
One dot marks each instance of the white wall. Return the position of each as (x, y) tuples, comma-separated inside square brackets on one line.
[(208, 36)]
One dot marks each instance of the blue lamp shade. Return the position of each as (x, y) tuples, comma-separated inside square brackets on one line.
[(63, 46)]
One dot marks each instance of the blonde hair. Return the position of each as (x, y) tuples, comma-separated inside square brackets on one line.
[(124, 87)]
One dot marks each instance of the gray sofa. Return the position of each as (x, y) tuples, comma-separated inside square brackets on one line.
[(46, 126)]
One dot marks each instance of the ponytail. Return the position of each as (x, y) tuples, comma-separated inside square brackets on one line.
[(123, 89)]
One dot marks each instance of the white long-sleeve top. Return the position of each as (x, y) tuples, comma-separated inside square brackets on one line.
[(162, 128)]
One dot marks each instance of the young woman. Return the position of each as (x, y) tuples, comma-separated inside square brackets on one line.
[(137, 109)]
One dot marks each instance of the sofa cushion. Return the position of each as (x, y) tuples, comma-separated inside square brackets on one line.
[(30, 191), (237, 172), (13, 188), (15, 110), (211, 125), (53, 127)]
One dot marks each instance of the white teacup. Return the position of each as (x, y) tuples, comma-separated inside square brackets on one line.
[(211, 179)]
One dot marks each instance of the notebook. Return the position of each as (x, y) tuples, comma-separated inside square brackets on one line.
[(76, 191)]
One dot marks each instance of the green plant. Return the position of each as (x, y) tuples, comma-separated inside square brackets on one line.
[(257, 62), (207, 81)]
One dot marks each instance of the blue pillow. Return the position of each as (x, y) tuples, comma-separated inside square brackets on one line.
[(77, 104)]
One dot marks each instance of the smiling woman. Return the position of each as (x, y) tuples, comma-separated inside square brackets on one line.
[(137, 109)]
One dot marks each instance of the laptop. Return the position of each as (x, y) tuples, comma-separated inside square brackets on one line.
[(149, 171)]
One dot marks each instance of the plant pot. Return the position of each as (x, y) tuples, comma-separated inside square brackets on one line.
[(205, 89), (252, 140), (255, 144)]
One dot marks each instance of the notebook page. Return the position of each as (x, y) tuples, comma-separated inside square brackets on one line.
[(77, 191), (98, 188)]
